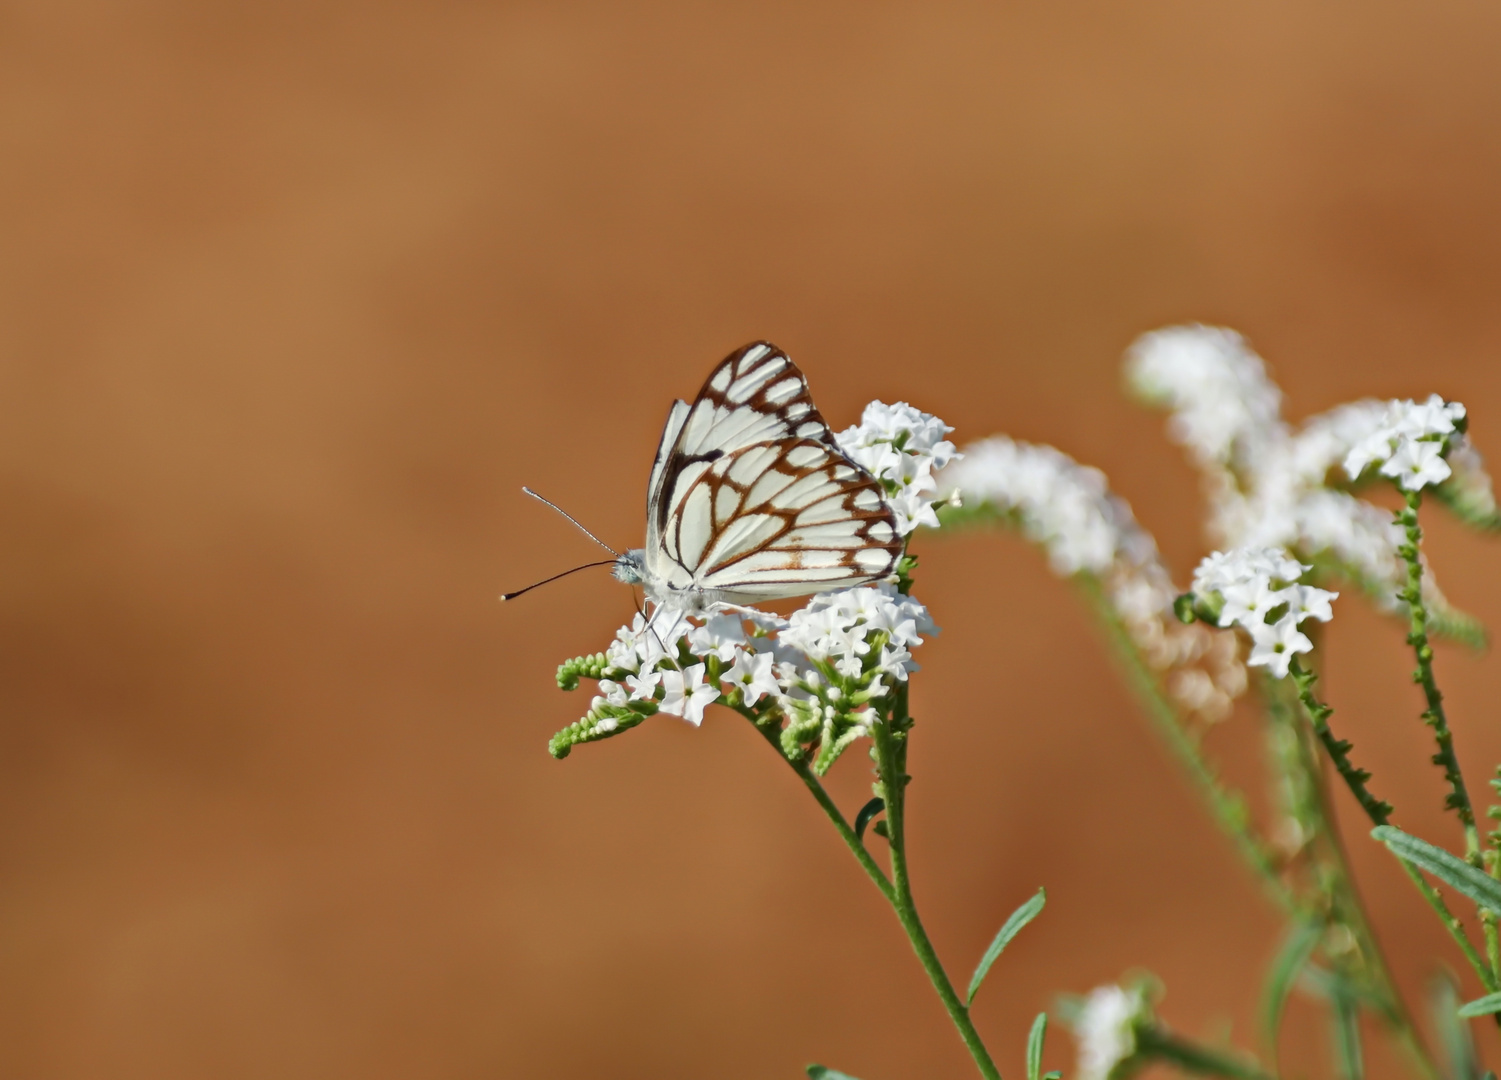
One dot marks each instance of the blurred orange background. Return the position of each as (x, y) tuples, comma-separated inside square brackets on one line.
[(295, 296)]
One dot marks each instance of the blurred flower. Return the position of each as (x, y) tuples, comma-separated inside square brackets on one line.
[(1269, 485), (1105, 1023), (1068, 509)]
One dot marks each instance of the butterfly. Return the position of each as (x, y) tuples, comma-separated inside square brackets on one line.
[(751, 499)]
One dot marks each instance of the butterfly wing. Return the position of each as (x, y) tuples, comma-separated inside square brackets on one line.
[(654, 488), (754, 500), (784, 519)]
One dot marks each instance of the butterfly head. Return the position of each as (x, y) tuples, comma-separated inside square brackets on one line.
[(630, 567)]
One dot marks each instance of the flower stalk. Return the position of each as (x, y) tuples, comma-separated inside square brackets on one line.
[(1458, 799)]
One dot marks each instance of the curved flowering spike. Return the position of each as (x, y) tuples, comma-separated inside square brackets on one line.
[(1087, 531), (593, 666), (602, 721), (1270, 486), (1225, 408), (1468, 491)]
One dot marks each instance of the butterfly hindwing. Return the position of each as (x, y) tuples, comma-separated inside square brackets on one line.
[(752, 499)]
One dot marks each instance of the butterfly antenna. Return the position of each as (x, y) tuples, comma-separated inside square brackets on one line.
[(574, 521), (544, 581)]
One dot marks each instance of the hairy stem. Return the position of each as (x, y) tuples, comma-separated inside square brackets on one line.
[(890, 738), (1458, 799), (1341, 900), (891, 760), (1378, 810)]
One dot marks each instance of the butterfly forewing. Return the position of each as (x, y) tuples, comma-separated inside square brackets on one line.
[(752, 499)]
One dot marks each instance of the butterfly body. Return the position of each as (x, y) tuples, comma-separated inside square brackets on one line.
[(751, 498)]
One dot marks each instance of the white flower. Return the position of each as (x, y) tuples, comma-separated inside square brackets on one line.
[(613, 692), (1273, 647), (644, 686), (720, 635), (753, 674), (687, 695), (641, 646), (1268, 485), (1408, 441), (1250, 584), (1225, 408), (1415, 464), (902, 447), (1105, 1029), (836, 627)]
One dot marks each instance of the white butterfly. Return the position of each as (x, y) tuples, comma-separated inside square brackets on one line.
[(751, 499)]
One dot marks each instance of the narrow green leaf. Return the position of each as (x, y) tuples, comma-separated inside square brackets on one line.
[(1452, 1034), (867, 812), (1019, 918), (1034, 1046), (820, 1072), (1491, 1003), (1448, 868), (1290, 959), (1345, 1015)]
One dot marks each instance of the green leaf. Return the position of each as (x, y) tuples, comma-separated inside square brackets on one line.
[(1034, 1046), (1448, 868), (1346, 1019), (1290, 959), (1491, 1003), (1452, 1034), (821, 1072), (867, 812), (1019, 918)]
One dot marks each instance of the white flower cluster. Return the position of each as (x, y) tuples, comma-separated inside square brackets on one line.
[(1247, 585), (1062, 505), (1068, 509), (861, 638), (902, 447), (1409, 443), (1224, 406), (1269, 486), (1105, 1026), (837, 628)]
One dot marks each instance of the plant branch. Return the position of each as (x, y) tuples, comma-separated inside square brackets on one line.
[(890, 738), (1458, 799), (830, 808)]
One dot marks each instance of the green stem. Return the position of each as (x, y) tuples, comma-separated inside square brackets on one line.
[(1192, 1057), (1344, 903), (1459, 796), (1378, 810), (890, 737), (830, 808), (1454, 926), (1227, 806), (897, 890)]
